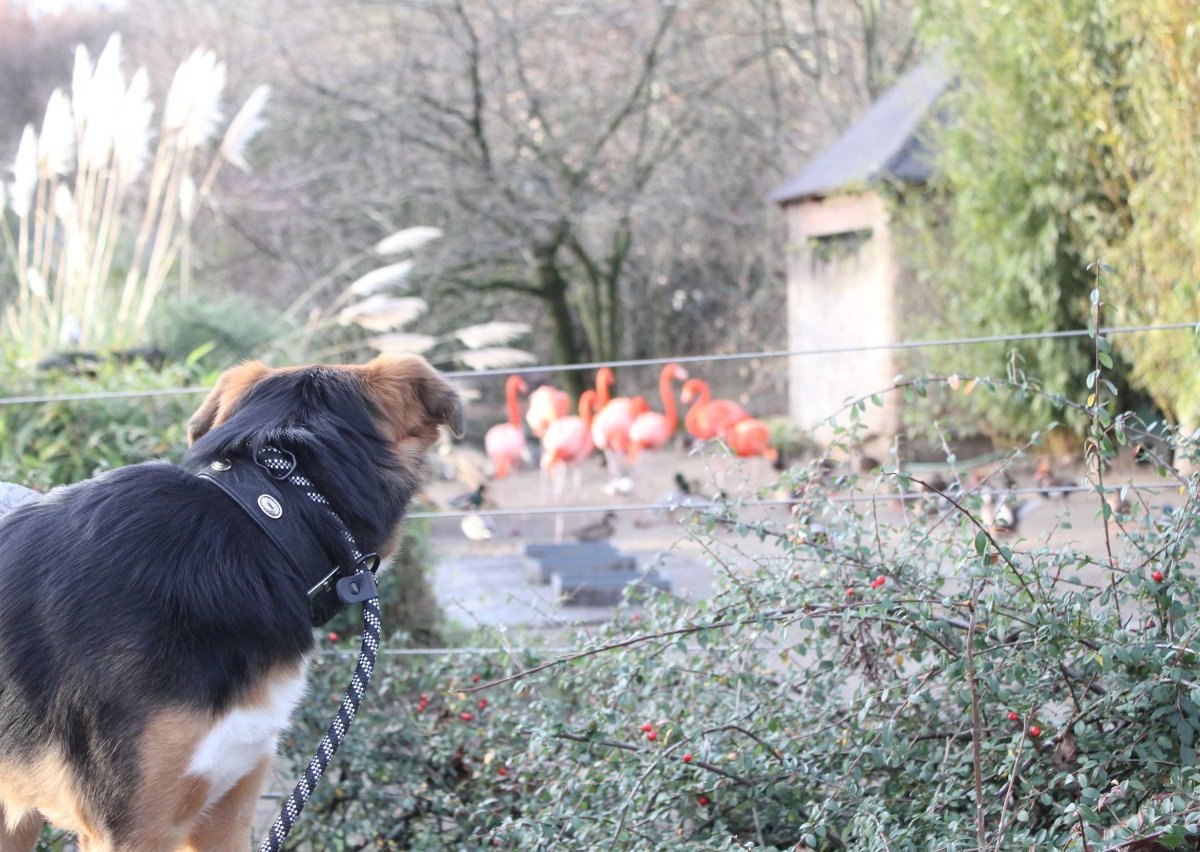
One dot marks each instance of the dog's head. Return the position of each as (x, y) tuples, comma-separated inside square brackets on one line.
[(360, 431), (406, 396)]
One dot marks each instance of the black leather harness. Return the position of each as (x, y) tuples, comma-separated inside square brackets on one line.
[(267, 488)]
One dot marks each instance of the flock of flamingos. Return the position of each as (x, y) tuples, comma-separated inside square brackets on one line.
[(620, 427)]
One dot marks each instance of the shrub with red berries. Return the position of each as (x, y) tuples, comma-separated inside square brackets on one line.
[(821, 713)]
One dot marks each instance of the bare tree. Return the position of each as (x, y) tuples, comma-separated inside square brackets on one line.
[(598, 167)]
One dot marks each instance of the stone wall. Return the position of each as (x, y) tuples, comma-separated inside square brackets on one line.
[(841, 293)]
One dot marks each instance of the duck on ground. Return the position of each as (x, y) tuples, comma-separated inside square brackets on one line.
[(599, 531)]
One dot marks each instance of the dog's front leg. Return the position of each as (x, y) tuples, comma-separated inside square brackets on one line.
[(225, 826), (23, 836)]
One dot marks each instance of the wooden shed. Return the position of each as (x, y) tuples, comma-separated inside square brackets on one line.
[(843, 278)]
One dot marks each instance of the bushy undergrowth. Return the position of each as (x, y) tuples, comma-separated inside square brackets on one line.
[(822, 698), (857, 680), (49, 443)]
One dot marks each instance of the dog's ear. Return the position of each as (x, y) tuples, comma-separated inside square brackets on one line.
[(224, 396), (413, 398)]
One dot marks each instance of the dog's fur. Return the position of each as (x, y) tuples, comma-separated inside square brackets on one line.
[(153, 640)]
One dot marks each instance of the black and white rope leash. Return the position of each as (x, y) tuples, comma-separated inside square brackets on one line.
[(336, 732), (283, 466)]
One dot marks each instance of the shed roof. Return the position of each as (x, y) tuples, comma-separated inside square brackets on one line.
[(883, 143)]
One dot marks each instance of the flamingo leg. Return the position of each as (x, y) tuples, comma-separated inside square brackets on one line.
[(559, 478)]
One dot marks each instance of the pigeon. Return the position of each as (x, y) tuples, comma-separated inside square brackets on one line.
[(476, 527)]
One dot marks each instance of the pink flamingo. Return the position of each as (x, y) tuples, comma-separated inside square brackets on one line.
[(651, 430), (546, 404), (567, 442), (505, 442), (750, 437), (708, 418), (614, 417)]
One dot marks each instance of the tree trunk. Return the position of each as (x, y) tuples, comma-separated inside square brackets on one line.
[(553, 289)]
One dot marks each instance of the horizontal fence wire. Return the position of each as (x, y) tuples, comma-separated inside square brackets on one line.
[(718, 508), (38, 399)]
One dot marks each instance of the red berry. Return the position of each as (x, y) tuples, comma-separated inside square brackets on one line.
[(702, 801), (333, 637), (849, 593), (687, 758), (474, 678), (878, 581), (646, 726), (1035, 731), (1158, 576), (482, 703), (495, 841), (652, 736), (502, 771), (466, 716), (424, 696), (1012, 716)]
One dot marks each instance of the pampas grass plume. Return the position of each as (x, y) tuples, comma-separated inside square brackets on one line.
[(56, 145), (401, 343), (25, 173), (383, 313), (496, 358), (131, 144), (194, 99), (244, 127), (382, 278), (491, 334), (409, 239)]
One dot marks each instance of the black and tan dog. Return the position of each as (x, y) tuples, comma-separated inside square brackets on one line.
[(153, 639)]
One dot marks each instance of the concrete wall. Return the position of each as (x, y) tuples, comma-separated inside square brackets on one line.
[(841, 293)]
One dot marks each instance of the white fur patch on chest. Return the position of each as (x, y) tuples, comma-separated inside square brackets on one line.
[(244, 735)]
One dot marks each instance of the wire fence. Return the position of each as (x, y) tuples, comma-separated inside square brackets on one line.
[(1016, 337), (695, 505)]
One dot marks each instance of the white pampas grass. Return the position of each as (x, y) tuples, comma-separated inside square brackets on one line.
[(383, 313), (194, 100), (382, 278), (56, 145), (131, 141), (244, 127), (409, 239), (25, 172), (64, 203), (81, 78), (400, 343), (491, 334), (97, 103), (187, 198), (36, 283), (496, 358), (98, 240)]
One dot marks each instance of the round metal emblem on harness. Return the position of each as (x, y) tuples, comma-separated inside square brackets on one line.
[(270, 506), (220, 464)]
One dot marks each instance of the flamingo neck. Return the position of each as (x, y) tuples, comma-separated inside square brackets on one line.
[(511, 387), (604, 380), (703, 394), (587, 403), (668, 398)]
